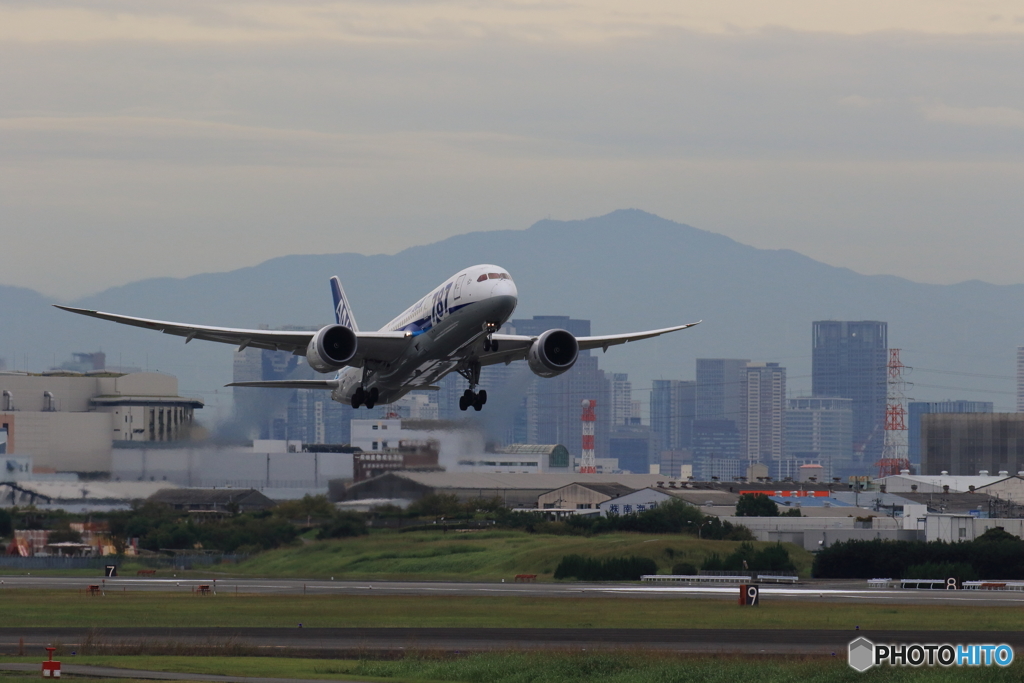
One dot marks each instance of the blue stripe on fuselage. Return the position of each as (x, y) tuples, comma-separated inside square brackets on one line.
[(424, 325)]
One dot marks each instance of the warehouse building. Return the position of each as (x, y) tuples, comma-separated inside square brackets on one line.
[(515, 490), (68, 421)]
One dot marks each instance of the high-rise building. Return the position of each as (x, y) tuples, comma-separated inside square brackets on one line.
[(849, 361), (622, 399), (720, 388), (1020, 379), (819, 431), (762, 424), (631, 446), (673, 404), (915, 409), (716, 449)]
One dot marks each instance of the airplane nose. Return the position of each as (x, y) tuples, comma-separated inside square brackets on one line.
[(505, 292), (504, 288)]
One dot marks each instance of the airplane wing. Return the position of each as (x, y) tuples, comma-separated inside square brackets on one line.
[(381, 346), (289, 384), (515, 346)]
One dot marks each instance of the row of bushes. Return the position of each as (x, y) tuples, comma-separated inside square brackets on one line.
[(611, 569), (672, 517), (994, 555), (772, 558)]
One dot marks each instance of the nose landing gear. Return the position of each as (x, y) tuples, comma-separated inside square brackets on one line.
[(490, 344)]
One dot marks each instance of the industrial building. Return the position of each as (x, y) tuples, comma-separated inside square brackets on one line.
[(68, 421), (581, 496), (281, 469), (634, 502), (972, 443), (514, 490), (915, 409)]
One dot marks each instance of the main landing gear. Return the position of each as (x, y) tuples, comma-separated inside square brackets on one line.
[(477, 399), (470, 397), (367, 398)]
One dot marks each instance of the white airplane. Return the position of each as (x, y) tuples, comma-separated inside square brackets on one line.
[(451, 329)]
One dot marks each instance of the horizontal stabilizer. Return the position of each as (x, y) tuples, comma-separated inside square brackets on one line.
[(289, 384)]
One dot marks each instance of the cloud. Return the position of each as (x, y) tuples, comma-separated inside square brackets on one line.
[(232, 21), (1000, 117)]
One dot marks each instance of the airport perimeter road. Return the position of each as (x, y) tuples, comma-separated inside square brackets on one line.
[(112, 672), (816, 591), (356, 642)]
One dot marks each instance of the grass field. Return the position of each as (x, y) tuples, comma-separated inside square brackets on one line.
[(432, 555), (487, 555), (22, 608), (551, 667)]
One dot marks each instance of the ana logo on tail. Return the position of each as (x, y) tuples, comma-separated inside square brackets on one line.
[(342, 310)]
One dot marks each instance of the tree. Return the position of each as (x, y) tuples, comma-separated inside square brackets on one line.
[(756, 505), (6, 523), (437, 505)]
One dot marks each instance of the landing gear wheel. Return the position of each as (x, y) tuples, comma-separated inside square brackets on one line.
[(478, 404), (463, 403), (358, 398), (481, 397), (371, 397)]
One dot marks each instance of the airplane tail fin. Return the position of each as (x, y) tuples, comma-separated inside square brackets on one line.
[(342, 309)]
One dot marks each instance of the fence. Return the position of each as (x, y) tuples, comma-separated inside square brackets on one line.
[(175, 562)]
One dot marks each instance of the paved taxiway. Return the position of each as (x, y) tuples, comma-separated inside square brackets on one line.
[(356, 642), (815, 591)]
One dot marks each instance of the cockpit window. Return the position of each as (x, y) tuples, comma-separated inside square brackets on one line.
[(504, 276), (482, 278), (494, 276)]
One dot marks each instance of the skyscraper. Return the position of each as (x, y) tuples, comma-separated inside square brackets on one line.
[(849, 361), (1020, 379), (764, 412), (720, 388), (673, 404), (622, 399)]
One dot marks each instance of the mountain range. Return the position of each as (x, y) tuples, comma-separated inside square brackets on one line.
[(628, 270)]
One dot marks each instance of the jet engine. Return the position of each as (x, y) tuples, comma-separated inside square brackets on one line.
[(331, 348), (553, 353)]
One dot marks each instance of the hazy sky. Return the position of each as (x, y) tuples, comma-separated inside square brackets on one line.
[(170, 138)]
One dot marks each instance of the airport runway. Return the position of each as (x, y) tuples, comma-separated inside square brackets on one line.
[(816, 591), (376, 642)]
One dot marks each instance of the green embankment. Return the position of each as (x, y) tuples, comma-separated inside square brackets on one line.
[(552, 667), (488, 555), (27, 608)]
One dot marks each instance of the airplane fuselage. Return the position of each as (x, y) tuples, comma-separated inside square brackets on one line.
[(446, 325)]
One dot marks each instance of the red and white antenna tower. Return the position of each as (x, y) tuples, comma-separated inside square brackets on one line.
[(894, 450), (588, 465)]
